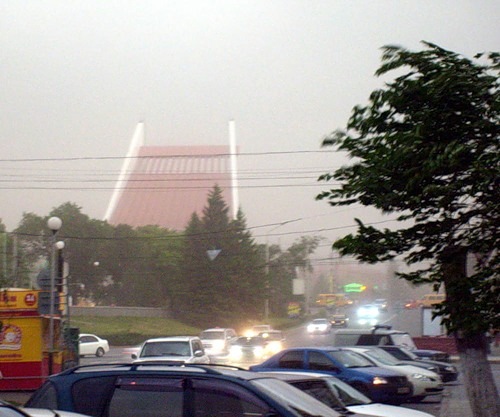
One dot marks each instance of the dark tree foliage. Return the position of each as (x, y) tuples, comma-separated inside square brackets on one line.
[(227, 288), (427, 148)]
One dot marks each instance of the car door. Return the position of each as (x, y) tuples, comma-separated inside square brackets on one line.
[(87, 345), (319, 361), (293, 359)]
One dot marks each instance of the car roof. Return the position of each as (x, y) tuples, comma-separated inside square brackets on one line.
[(295, 376), (172, 339), (216, 329), (154, 367)]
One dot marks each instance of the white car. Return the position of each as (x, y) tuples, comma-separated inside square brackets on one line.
[(368, 314), (90, 344), (185, 349), (44, 412), (424, 382), (337, 394), (319, 326), (9, 410), (217, 341)]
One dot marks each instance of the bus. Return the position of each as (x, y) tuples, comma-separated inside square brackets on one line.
[(330, 301)]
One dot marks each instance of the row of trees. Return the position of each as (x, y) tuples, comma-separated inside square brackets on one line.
[(153, 266)]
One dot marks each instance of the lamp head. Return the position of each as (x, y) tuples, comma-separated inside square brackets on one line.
[(54, 224)]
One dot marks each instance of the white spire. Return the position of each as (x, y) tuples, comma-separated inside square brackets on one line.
[(234, 168), (127, 167)]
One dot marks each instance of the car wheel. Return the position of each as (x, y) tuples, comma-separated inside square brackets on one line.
[(99, 352)]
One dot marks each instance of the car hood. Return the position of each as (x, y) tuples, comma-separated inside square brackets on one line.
[(383, 410), (376, 371), (411, 369)]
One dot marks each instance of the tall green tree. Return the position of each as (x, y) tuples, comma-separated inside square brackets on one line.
[(427, 148), (222, 285)]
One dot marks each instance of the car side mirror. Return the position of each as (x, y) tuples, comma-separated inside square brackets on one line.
[(198, 353), (134, 356)]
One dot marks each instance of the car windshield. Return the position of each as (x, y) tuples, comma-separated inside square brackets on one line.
[(320, 321), (212, 335), (382, 357), (350, 359), (250, 341), (294, 398), (347, 394), (165, 349), (403, 339), (409, 354)]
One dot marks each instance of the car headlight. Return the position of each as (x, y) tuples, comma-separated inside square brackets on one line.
[(235, 351), (219, 344), (258, 351), (378, 380), (420, 377), (310, 328)]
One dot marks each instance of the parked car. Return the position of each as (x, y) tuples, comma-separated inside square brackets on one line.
[(248, 349), (447, 371), (90, 344), (216, 341), (143, 389), (424, 382), (384, 335), (339, 320), (9, 410), (275, 341), (379, 384), (341, 396), (319, 326), (183, 349)]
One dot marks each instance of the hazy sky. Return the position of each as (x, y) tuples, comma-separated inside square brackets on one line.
[(77, 76)]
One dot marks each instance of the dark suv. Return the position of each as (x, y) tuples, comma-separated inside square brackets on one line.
[(381, 335), (159, 389)]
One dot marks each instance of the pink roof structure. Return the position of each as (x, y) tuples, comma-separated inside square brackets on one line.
[(165, 185)]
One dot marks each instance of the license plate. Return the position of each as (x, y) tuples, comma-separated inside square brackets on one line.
[(403, 390)]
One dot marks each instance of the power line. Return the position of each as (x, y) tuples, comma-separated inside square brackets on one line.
[(214, 155)]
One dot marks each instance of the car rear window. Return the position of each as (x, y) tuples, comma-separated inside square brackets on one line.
[(145, 397), (91, 394)]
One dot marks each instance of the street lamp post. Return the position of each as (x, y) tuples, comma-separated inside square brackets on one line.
[(54, 224)]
